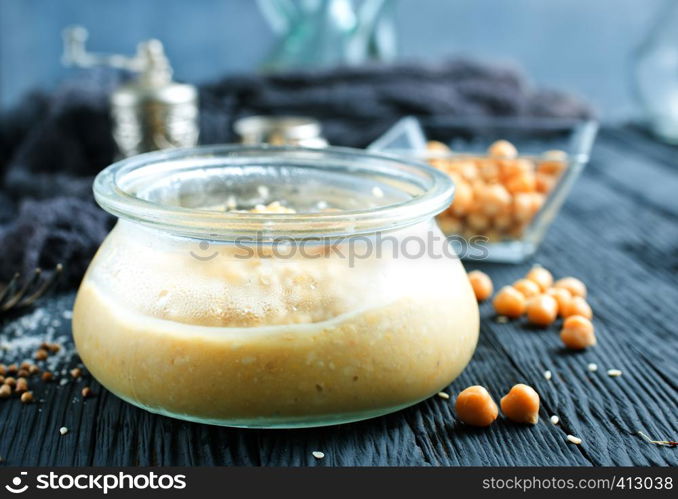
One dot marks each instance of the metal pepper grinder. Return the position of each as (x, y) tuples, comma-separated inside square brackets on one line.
[(150, 112)]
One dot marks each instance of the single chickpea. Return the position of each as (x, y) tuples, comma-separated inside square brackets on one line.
[(579, 306), (545, 182), (521, 404), (563, 298), (502, 149), (573, 285), (522, 206), (478, 222), (537, 202), (481, 284), (496, 199), (578, 333), (467, 170), (437, 146), (475, 407), (512, 168), (554, 163), (542, 310), (524, 182), (463, 197), (488, 170), (541, 277), (502, 222), (527, 288), (509, 302), (493, 235), (517, 230), (555, 155)]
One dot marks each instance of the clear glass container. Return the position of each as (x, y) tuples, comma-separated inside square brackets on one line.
[(553, 152), (274, 287)]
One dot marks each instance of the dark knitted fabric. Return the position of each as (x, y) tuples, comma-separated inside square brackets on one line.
[(52, 146)]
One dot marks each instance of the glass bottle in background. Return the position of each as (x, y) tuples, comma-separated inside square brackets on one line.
[(326, 33), (656, 74)]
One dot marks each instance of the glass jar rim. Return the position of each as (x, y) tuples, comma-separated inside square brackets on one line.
[(115, 190)]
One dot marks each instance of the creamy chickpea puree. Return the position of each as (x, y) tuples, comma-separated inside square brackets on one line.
[(238, 340)]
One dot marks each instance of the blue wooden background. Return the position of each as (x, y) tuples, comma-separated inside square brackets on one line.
[(582, 46)]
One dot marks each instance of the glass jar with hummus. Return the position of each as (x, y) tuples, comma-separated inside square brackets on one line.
[(274, 287)]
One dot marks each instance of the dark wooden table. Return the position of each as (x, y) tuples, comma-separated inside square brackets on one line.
[(618, 231)]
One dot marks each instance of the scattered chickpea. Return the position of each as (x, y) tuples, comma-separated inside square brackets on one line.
[(509, 302), (76, 372), (12, 369), (22, 373), (502, 149), (577, 333), (542, 277), (573, 285), (475, 407), (10, 381), (27, 397), (521, 404), (5, 391), (3, 369), (579, 306), (563, 298), (25, 365), (47, 376), (33, 369), (542, 310), (527, 288), (40, 354), (86, 392), (481, 284), (2, 379)]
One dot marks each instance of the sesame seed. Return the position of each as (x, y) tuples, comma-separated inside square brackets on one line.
[(502, 319), (593, 367), (317, 454), (555, 419), (573, 439), (377, 192), (547, 375), (444, 395), (614, 372), (63, 430)]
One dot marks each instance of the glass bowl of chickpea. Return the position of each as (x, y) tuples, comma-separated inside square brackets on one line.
[(511, 176)]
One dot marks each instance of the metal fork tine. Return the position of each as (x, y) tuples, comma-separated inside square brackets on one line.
[(7, 290), (44, 288), (22, 291)]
